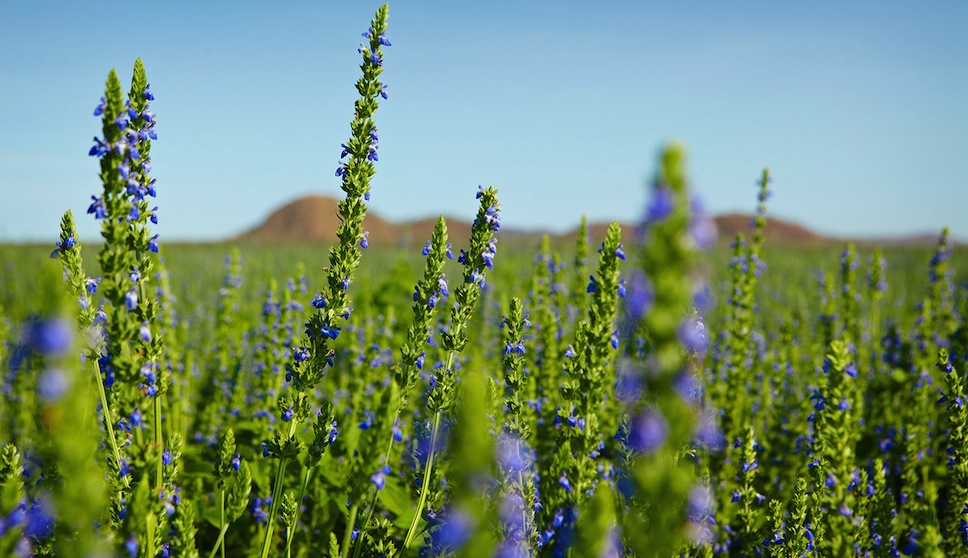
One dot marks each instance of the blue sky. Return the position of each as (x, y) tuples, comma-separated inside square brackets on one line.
[(859, 109)]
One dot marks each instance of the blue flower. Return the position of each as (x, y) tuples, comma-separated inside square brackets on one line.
[(648, 431), (565, 483), (661, 205), (330, 331), (236, 462), (52, 385), (91, 284), (132, 545), (455, 530), (50, 337), (379, 478), (166, 457), (97, 208), (145, 332), (131, 299)]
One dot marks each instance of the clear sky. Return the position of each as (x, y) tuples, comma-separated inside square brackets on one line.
[(860, 109)]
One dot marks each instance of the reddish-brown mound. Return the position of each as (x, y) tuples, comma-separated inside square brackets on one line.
[(777, 231), (315, 219)]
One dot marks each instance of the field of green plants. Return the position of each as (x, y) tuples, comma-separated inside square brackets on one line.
[(656, 392)]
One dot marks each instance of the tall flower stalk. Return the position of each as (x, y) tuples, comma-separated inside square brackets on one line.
[(332, 306), (476, 261), (134, 347)]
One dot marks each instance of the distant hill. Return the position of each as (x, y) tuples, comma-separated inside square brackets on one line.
[(315, 219)]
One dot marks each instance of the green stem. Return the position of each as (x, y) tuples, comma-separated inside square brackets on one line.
[(222, 526), (105, 410), (369, 516), (348, 535), (218, 542), (376, 493), (150, 534), (158, 440), (276, 496), (424, 487)]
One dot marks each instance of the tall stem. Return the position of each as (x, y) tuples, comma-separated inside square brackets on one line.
[(222, 527), (158, 439), (350, 525), (424, 486), (276, 496)]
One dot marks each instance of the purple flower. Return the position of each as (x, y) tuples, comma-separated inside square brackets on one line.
[(144, 332), (702, 232), (692, 334), (379, 478), (330, 331), (166, 457), (97, 208), (565, 483), (640, 296), (136, 417), (132, 545), (661, 205), (52, 385), (455, 530), (131, 299), (648, 431), (513, 455), (51, 337), (91, 284)]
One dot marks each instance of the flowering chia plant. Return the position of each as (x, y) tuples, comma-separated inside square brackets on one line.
[(646, 393)]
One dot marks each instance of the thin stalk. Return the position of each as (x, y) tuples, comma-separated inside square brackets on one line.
[(106, 412), (369, 516), (276, 496), (424, 487), (158, 439), (425, 482), (376, 493), (348, 534), (222, 527)]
